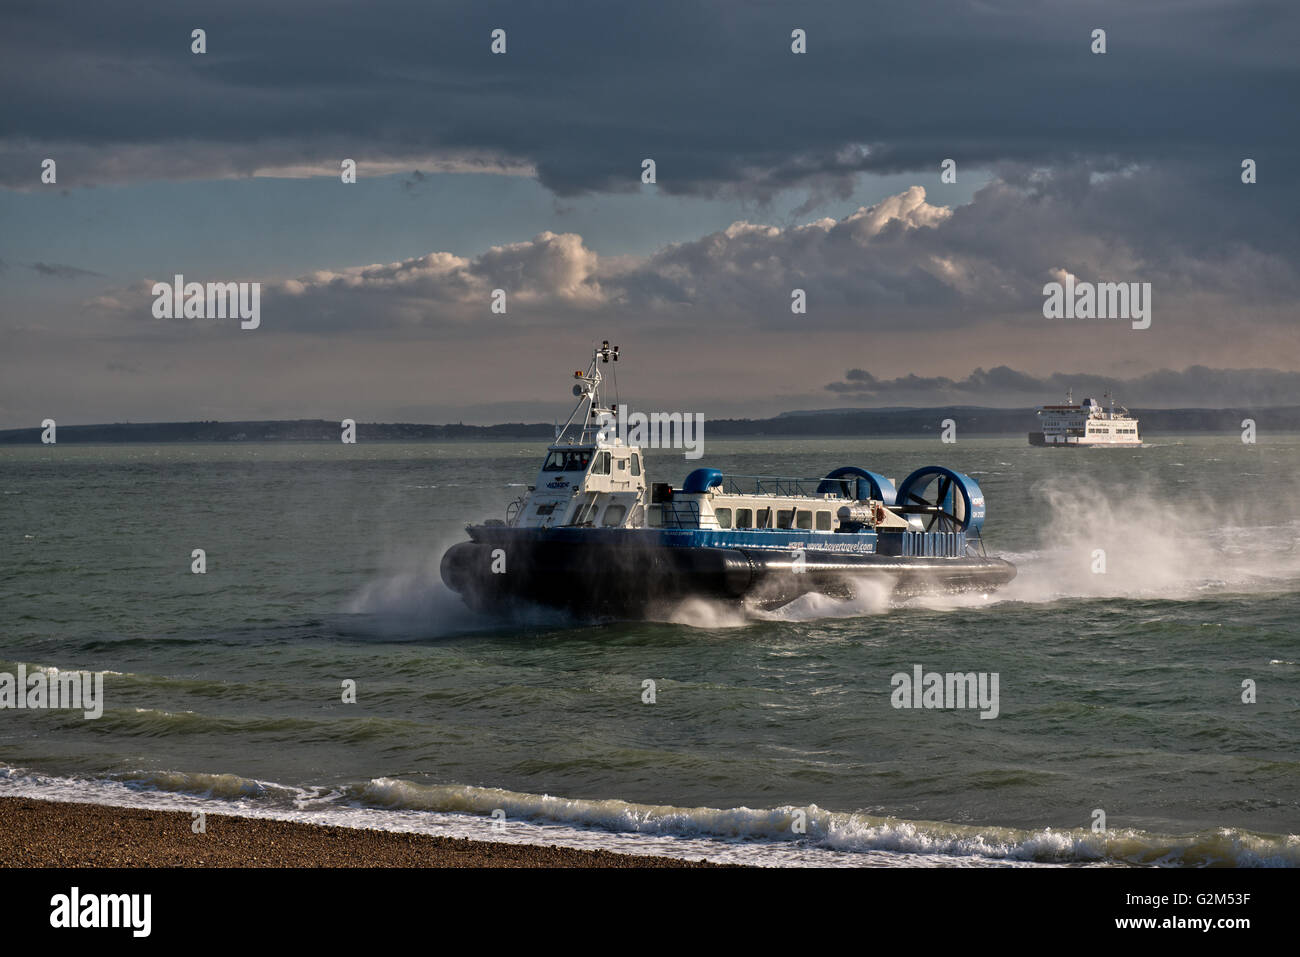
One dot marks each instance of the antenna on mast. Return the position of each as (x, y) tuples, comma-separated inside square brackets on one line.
[(586, 388)]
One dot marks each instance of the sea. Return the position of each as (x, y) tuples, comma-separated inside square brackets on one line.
[(1147, 660)]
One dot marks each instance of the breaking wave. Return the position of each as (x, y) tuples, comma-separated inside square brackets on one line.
[(780, 836)]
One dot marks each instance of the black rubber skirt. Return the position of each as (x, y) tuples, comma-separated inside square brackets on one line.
[(621, 581)]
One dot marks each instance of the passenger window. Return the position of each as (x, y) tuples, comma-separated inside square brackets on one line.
[(784, 516), (614, 515), (621, 465), (654, 516), (823, 521), (636, 464), (601, 465), (803, 519), (764, 518), (744, 518), (723, 515)]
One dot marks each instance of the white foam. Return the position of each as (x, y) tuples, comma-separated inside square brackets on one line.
[(760, 836), (1153, 545)]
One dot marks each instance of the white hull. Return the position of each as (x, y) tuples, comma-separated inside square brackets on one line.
[(1061, 441)]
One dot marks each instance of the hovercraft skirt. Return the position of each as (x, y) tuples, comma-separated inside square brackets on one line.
[(622, 579)]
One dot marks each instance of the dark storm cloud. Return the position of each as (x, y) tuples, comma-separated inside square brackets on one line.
[(1120, 167), (1196, 386), (588, 89), (60, 271), (415, 179)]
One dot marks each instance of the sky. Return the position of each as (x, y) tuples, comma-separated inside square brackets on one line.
[(522, 171)]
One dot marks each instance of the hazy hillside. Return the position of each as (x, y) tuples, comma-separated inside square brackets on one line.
[(970, 421)]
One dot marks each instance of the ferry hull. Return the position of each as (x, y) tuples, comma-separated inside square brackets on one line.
[(619, 580), (1084, 442)]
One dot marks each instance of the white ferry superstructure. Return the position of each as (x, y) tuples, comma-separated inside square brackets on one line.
[(1085, 425)]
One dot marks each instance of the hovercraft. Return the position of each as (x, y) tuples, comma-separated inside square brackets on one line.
[(591, 536)]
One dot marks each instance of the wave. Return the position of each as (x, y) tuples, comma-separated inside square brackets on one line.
[(33, 667), (779, 836), (839, 831)]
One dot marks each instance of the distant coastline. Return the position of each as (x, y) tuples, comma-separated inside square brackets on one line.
[(970, 420)]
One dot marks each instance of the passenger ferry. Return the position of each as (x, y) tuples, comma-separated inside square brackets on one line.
[(1088, 424), (593, 536)]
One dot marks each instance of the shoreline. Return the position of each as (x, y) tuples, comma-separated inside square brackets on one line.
[(42, 833)]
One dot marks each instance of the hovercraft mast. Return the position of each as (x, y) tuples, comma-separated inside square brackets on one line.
[(587, 389)]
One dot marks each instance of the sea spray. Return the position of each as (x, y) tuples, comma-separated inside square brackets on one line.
[(409, 600), (1144, 543), (705, 614)]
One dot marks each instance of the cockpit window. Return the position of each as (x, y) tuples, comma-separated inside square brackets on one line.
[(567, 460)]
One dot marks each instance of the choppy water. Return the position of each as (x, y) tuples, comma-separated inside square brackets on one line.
[(1118, 691)]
